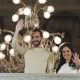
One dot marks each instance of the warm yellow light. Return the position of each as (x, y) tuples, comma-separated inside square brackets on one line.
[(47, 15), (27, 38), (2, 56), (57, 40), (15, 17), (20, 11), (8, 38), (55, 49), (46, 34), (27, 11), (50, 9), (16, 1), (42, 1), (11, 52), (3, 46)]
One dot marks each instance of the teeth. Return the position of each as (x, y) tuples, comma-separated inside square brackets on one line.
[(35, 42)]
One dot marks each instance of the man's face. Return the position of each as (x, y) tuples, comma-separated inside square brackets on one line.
[(36, 39)]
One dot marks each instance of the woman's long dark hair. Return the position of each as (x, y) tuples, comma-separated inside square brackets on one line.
[(62, 60)]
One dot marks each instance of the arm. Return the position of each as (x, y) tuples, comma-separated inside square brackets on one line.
[(50, 65), (15, 44)]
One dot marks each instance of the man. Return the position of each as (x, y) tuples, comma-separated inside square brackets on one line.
[(37, 59)]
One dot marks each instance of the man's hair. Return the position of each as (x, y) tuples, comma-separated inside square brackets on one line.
[(37, 30)]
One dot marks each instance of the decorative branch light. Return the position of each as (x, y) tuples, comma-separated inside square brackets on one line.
[(31, 22), (9, 59), (31, 14)]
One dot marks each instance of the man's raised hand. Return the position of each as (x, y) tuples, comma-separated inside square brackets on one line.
[(19, 25)]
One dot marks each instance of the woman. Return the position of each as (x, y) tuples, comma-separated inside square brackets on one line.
[(69, 60)]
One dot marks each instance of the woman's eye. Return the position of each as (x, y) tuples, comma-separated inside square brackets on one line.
[(63, 51), (67, 51), (37, 36)]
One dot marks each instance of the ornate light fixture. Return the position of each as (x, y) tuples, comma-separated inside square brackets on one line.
[(9, 59), (32, 19), (30, 13), (50, 40)]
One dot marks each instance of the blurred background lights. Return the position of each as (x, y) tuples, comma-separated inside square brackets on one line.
[(3, 46), (2, 56), (42, 1), (55, 49), (27, 38), (8, 38), (27, 11), (57, 40), (16, 1), (47, 15), (46, 34), (50, 9), (20, 11), (15, 17), (11, 52)]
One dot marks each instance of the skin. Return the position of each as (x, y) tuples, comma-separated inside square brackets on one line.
[(36, 39), (67, 54)]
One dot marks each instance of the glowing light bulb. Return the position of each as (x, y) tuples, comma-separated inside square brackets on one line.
[(15, 17), (27, 11), (50, 9), (36, 25), (2, 56), (16, 1), (47, 15), (20, 11), (57, 40), (55, 49), (42, 1), (27, 38), (46, 34), (12, 52), (7, 38), (3, 46)]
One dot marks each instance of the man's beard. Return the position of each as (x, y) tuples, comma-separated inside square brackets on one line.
[(36, 43)]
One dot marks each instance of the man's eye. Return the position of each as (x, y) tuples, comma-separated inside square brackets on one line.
[(37, 36), (63, 51)]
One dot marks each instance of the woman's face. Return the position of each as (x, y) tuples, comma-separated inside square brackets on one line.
[(66, 52)]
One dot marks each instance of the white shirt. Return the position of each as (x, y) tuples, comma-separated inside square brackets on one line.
[(36, 60), (67, 69)]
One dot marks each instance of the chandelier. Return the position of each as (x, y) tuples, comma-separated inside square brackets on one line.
[(31, 21), (31, 13), (11, 61)]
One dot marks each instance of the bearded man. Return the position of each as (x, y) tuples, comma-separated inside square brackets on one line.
[(37, 59)]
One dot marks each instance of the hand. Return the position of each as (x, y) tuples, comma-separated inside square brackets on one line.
[(76, 58), (19, 25)]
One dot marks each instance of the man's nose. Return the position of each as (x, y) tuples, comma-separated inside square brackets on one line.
[(33, 38)]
